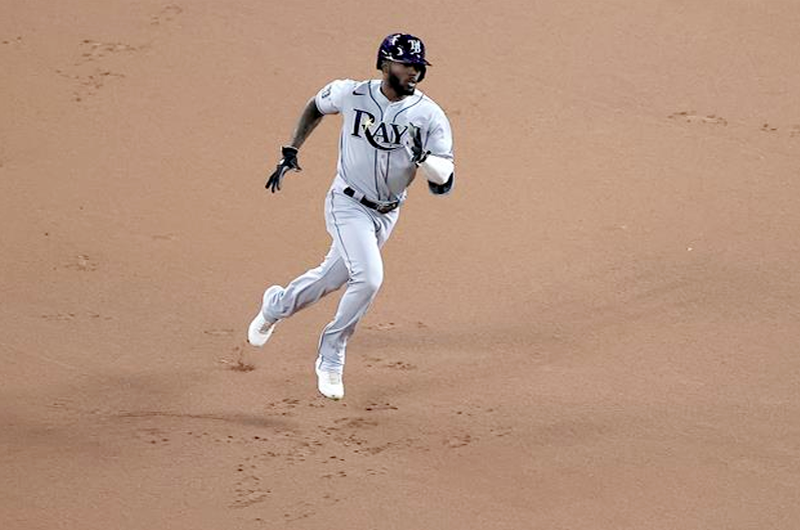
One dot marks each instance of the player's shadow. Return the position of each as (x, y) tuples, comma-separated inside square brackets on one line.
[(103, 411)]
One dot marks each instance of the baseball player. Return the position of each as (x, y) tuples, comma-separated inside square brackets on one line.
[(390, 130)]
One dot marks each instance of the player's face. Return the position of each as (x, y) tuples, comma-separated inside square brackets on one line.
[(403, 78)]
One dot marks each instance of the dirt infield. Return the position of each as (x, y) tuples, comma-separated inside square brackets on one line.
[(597, 330)]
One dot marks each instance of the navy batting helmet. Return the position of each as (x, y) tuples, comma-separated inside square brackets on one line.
[(403, 48)]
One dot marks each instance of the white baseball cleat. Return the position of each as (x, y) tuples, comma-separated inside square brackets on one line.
[(261, 329), (329, 384)]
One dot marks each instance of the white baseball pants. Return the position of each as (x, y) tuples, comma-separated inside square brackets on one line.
[(358, 233)]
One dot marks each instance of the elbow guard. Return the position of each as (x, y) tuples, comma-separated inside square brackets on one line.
[(437, 170), (442, 189)]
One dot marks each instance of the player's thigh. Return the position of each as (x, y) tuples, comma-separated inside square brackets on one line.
[(386, 224), (333, 268), (355, 239)]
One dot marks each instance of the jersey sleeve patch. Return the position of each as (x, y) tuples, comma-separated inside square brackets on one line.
[(330, 99)]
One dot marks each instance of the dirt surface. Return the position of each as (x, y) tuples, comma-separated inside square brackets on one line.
[(598, 330)]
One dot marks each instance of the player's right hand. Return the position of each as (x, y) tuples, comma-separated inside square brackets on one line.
[(289, 161)]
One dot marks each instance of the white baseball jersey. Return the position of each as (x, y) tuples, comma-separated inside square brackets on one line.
[(372, 156)]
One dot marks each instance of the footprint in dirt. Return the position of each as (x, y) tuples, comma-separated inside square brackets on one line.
[(794, 130), (370, 361), (693, 117), (298, 511), (460, 440), (379, 406), (284, 407), (167, 14), (373, 449), (389, 326), (330, 499), (66, 317), (501, 431), (401, 444), (373, 362), (62, 317), (355, 423), (400, 365), (17, 41), (383, 326), (237, 360), (91, 51), (88, 85), (152, 436), (82, 262), (224, 332), (248, 491)]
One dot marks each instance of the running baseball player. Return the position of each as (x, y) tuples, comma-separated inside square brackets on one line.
[(389, 130)]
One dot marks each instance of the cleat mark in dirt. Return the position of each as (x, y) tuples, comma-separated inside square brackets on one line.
[(93, 51), (166, 15), (82, 262), (88, 85), (460, 440), (236, 361), (248, 491), (379, 406), (692, 117)]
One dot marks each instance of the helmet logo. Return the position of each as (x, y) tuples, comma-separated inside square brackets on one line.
[(416, 46)]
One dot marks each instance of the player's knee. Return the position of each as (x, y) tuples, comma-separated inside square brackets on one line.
[(372, 280)]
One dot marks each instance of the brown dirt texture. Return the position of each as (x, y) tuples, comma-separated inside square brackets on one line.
[(597, 330)]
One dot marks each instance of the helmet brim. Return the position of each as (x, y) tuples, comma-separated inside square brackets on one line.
[(423, 63)]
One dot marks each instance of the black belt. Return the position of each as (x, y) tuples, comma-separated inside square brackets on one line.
[(380, 208)]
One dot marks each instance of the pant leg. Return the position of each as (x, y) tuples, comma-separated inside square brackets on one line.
[(307, 288), (358, 235)]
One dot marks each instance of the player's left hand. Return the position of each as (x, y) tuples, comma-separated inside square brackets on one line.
[(289, 161), (414, 145)]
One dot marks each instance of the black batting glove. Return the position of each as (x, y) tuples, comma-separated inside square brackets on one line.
[(415, 148), (289, 161)]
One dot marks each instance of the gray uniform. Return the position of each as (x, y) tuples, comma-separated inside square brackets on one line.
[(375, 165)]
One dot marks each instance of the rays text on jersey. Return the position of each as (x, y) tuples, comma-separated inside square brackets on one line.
[(386, 137)]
